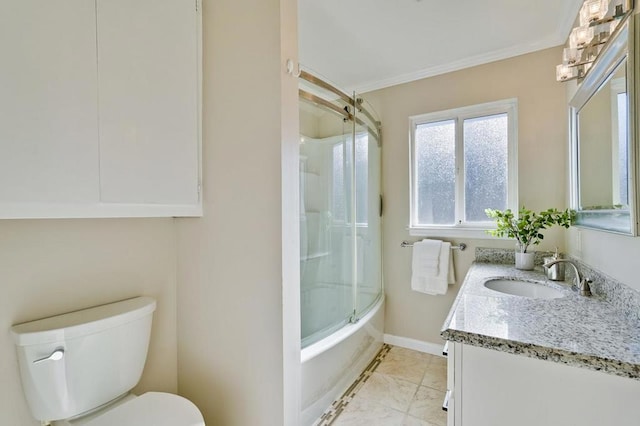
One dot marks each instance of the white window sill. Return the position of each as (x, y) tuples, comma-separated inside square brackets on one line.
[(450, 232)]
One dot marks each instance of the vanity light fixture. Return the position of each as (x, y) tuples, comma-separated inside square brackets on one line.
[(598, 21)]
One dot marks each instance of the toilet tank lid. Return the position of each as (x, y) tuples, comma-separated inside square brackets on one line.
[(83, 322)]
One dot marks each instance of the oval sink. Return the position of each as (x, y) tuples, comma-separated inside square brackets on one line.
[(524, 289)]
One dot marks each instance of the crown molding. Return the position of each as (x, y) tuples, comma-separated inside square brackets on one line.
[(560, 36), (485, 58)]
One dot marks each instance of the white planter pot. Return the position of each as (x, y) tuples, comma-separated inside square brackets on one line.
[(525, 261)]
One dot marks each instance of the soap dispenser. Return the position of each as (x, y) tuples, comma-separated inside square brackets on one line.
[(554, 272)]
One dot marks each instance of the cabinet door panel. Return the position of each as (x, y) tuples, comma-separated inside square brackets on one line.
[(502, 389), (48, 102), (148, 101)]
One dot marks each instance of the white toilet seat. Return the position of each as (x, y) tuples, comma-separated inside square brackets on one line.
[(151, 408)]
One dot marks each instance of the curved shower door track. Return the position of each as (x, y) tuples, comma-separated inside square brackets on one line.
[(344, 105)]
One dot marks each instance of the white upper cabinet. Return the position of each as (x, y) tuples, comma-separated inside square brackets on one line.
[(100, 108), (48, 103), (148, 101)]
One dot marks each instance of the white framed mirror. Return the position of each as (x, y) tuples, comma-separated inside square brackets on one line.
[(603, 138)]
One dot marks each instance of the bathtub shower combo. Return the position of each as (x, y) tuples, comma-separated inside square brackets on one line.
[(340, 241)]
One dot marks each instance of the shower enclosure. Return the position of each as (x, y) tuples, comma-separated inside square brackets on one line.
[(340, 238)]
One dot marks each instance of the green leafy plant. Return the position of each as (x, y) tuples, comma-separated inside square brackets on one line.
[(526, 227)]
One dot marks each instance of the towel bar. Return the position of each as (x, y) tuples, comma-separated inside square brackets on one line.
[(460, 247)]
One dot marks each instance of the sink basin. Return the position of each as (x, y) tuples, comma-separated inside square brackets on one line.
[(524, 289)]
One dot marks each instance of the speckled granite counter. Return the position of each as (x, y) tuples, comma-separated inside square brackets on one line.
[(586, 332)]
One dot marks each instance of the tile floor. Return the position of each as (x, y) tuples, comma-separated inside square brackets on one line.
[(400, 387)]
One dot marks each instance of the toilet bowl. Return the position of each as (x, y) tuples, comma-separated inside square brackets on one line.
[(78, 369), (151, 408)]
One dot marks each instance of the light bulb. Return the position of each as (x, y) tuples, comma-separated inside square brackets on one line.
[(613, 26), (593, 10), (570, 56), (565, 72), (580, 36)]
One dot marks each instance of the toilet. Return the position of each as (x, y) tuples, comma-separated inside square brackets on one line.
[(79, 368)]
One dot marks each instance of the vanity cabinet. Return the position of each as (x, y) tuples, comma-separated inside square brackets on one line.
[(100, 108), (493, 388)]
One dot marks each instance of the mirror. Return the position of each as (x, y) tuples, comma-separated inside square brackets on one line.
[(603, 190)]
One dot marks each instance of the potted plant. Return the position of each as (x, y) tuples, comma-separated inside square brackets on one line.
[(525, 228)]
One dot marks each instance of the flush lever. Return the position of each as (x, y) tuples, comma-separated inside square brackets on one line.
[(55, 356)]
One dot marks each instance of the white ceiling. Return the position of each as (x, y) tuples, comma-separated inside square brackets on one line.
[(365, 45)]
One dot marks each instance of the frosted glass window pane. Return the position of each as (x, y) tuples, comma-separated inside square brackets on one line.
[(338, 196), (362, 177), (485, 165), (435, 173)]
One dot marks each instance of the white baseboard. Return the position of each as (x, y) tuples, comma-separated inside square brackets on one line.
[(416, 345)]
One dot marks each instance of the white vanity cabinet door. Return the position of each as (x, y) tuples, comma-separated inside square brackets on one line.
[(149, 103), (501, 389), (48, 106)]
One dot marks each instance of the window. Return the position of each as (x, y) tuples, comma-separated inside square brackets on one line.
[(341, 187), (463, 161)]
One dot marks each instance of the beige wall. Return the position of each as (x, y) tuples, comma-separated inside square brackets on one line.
[(542, 132), (48, 267), (233, 350)]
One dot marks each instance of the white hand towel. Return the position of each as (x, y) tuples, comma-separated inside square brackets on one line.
[(426, 255), (431, 266)]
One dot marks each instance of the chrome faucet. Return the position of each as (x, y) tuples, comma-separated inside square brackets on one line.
[(580, 283)]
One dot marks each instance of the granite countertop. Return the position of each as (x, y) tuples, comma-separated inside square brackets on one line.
[(588, 332)]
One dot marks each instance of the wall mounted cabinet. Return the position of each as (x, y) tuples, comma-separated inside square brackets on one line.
[(100, 108)]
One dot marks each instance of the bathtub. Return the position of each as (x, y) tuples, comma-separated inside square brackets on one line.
[(330, 365)]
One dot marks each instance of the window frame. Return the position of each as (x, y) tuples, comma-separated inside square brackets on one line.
[(459, 115)]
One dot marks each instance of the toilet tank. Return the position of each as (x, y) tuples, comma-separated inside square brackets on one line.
[(76, 362)]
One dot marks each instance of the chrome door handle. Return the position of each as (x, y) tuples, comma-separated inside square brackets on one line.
[(56, 355)]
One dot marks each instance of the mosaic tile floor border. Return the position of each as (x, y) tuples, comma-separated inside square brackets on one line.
[(341, 403)]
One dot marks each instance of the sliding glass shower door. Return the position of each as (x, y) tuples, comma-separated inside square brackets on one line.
[(368, 226), (326, 261), (340, 244)]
